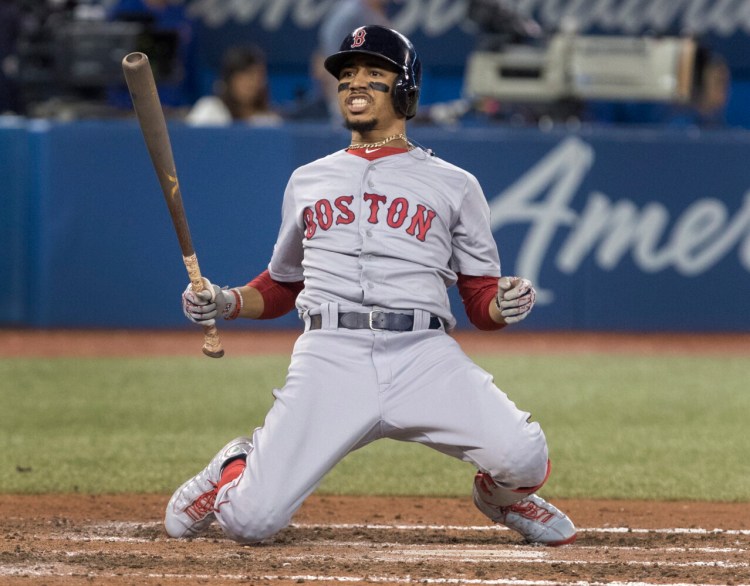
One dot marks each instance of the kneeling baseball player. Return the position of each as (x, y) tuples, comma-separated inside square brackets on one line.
[(370, 238)]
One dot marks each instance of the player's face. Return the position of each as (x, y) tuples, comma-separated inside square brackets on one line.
[(365, 86)]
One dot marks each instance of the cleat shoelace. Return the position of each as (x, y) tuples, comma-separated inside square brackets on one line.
[(530, 511), (202, 506)]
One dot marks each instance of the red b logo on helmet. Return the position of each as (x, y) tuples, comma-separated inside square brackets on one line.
[(358, 38)]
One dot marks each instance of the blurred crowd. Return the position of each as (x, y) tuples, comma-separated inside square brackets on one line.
[(55, 61)]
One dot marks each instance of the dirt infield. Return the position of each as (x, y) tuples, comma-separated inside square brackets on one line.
[(77, 539), (118, 539), (170, 343)]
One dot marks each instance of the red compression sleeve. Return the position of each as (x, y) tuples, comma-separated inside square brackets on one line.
[(278, 297), (477, 293)]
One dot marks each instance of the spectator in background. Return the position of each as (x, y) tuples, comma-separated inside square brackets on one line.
[(708, 106), (241, 94), (344, 17), (165, 17)]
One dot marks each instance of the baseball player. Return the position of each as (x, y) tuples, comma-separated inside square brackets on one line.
[(370, 238)]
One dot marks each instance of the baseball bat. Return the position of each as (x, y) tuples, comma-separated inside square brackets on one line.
[(148, 110)]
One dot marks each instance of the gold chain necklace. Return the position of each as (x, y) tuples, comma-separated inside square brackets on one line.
[(380, 143)]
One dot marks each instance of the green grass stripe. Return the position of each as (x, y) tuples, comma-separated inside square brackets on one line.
[(646, 427)]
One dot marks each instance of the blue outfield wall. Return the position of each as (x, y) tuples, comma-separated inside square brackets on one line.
[(15, 167), (624, 230)]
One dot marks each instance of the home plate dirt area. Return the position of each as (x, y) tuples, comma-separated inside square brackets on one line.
[(119, 539)]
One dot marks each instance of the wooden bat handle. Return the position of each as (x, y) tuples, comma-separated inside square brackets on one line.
[(148, 110), (211, 341)]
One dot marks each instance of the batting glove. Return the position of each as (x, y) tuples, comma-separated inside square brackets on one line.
[(204, 307), (515, 298)]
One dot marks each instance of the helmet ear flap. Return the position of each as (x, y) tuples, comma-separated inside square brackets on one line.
[(405, 98), (412, 99), (412, 82)]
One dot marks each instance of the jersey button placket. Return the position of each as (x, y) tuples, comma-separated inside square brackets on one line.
[(366, 231)]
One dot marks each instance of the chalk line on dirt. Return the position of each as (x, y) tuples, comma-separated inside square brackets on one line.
[(40, 571), (125, 526)]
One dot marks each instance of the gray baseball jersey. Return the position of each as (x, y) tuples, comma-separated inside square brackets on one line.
[(388, 233)]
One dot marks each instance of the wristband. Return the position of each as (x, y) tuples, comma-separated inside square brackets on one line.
[(237, 305)]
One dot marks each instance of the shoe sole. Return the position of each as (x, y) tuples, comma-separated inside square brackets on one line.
[(567, 541)]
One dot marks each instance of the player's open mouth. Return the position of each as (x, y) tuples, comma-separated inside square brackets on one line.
[(357, 103)]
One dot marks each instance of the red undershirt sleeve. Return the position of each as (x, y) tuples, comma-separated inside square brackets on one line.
[(476, 294), (278, 297)]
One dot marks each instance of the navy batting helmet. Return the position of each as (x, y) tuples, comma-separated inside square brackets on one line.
[(393, 47)]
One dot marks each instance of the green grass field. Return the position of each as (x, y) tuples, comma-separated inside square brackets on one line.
[(619, 426)]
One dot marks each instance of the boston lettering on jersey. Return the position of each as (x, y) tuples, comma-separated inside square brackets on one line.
[(397, 213)]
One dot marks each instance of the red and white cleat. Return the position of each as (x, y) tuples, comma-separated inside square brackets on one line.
[(191, 509), (533, 517)]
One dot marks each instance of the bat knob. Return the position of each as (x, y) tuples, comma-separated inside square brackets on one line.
[(211, 343), (213, 353)]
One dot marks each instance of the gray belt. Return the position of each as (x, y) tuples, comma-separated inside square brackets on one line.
[(376, 320)]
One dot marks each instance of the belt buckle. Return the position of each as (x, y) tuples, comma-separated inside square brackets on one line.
[(369, 320)]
